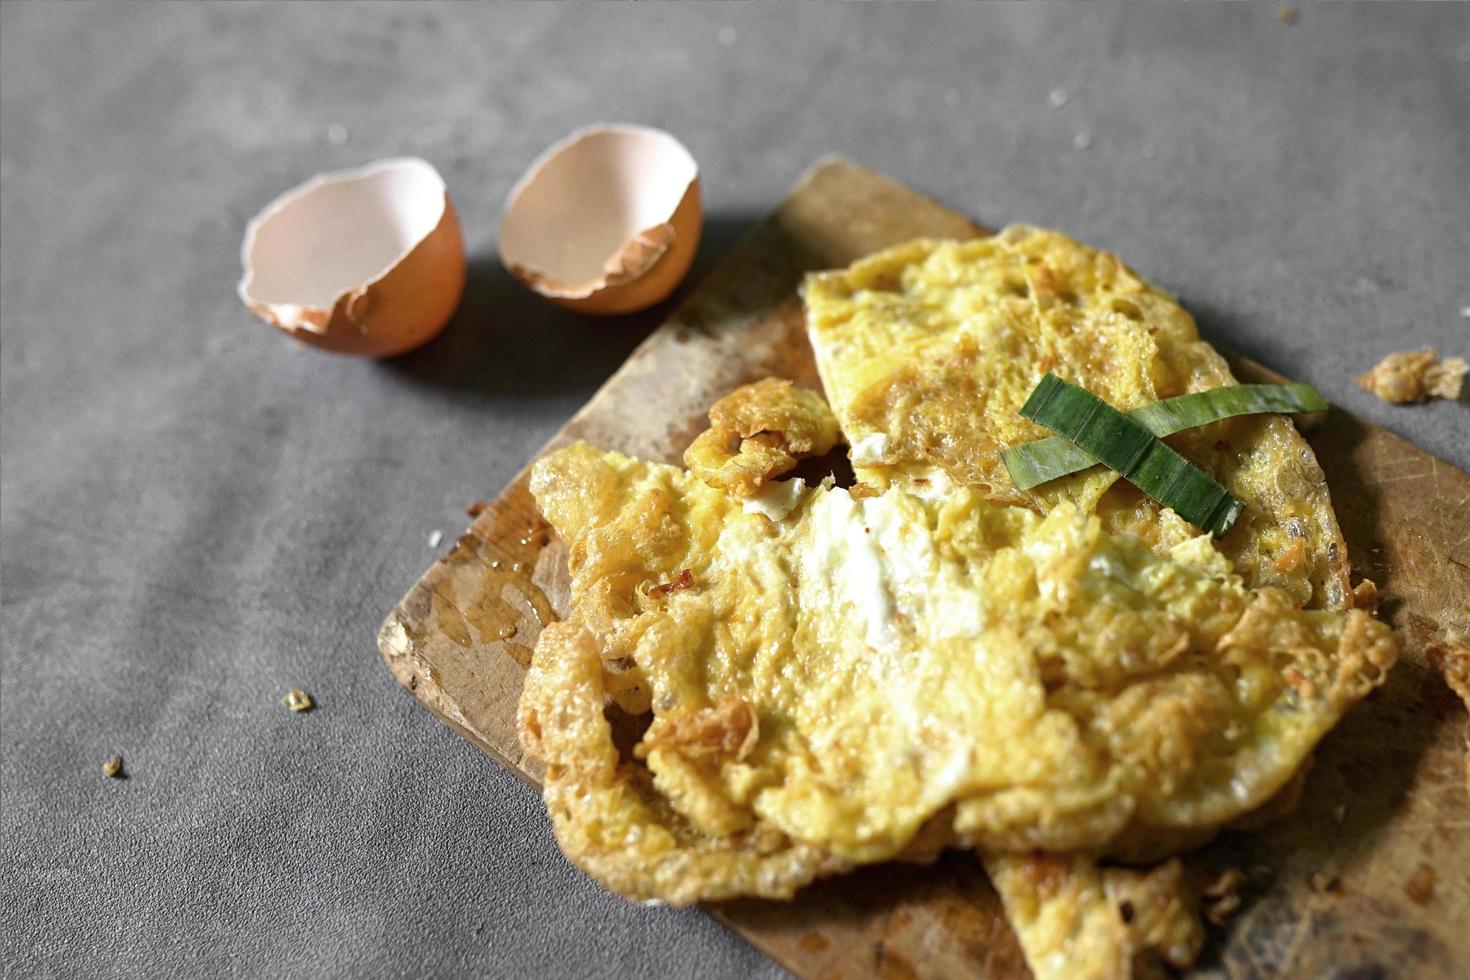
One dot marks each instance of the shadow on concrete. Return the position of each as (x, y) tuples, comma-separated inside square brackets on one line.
[(504, 340), (1218, 326)]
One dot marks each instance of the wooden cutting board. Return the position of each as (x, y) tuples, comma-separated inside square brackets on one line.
[(1369, 877)]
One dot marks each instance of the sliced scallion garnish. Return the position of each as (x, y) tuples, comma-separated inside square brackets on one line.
[(1034, 463), (1139, 456)]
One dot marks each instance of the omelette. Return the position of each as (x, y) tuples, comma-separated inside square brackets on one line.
[(827, 676)]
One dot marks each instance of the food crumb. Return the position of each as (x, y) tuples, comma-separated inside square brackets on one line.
[(476, 509), (112, 768), (1413, 376), (1320, 882), (1420, 886), (1285, 14), (1229, 882), (1290, 559), (435, 537), (684, 581), (1301, 683), (1221, 909), (298, 700), (1452, 659), (1222, 896)]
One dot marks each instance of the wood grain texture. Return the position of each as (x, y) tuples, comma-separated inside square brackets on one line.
[(1370, 876)]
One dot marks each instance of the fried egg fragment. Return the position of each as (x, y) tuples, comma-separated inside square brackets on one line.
[(1406, 377), (1049, 685), (608, 817), (759, 432), (1076, 921), (928, 350)]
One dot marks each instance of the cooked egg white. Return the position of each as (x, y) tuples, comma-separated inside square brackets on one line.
[(776, 500)]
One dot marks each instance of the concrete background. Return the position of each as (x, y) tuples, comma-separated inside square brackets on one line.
[(196, 515)]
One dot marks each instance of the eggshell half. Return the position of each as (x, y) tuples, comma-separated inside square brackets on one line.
[(606, 221), (368, 261)]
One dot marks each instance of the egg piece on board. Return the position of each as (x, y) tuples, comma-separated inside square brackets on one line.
[(367, 261), (606, 221)]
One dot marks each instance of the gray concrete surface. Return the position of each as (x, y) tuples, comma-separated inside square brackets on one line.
[(196, 515)]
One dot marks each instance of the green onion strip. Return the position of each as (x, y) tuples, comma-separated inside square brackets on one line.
[(1034, 463), (1124, 444)]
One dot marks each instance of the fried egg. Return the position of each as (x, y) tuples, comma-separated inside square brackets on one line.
[(830, 676), (1058, 687)]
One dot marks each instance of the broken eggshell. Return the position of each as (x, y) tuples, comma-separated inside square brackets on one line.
[(606, 221), (367, 261)]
